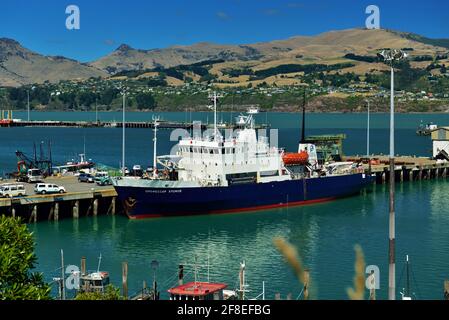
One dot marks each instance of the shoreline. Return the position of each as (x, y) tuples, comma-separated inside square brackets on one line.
[(226, 111)]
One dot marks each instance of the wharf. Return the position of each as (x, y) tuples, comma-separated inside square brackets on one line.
[(135, 124), (407, 168), (80, 199)]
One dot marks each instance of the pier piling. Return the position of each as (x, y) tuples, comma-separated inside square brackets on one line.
[(83, 266), (33, 217), (95, 207), (125, 279), (56, 211), (75, 209), (51, 213)]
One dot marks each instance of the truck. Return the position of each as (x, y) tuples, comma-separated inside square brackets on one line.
[(31, 176)]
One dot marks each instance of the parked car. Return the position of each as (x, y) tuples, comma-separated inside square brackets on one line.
[(86, 177), (102, 179), (12, 190), (43, 188)]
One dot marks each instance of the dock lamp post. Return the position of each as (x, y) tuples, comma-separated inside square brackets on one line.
[(391, 57), (123, 132)]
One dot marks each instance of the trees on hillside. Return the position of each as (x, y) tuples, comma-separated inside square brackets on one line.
[(145, 101)]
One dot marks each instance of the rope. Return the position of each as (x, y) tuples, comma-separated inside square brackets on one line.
[(300, 294), (416, 283)]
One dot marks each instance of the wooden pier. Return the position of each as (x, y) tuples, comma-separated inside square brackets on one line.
[(132, 124), (407, 168), (82, 199)]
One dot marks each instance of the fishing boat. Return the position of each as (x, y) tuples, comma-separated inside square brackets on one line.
[(240, 173), (425, 130), (74, 166)]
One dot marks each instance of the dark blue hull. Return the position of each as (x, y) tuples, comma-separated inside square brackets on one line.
[(141, 202)]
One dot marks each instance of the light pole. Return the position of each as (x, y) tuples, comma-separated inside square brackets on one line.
[(123, 133), (28, 104), (367, 133), (390, 57)]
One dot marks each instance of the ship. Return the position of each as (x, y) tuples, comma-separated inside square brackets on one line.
[(426, 130), (212, 174)]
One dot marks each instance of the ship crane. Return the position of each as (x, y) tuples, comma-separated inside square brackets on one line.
[(43, 163)]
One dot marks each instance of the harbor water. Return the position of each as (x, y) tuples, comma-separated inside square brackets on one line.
[(324, 234)]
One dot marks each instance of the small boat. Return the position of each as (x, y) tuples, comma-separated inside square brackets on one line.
[(75, 166), (300, 158), (425, 130), (196, 290)]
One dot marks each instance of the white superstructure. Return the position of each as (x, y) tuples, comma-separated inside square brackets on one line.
[(215, 160)]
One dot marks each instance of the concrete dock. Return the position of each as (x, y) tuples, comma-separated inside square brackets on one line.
[(407, 168), (81, 199)]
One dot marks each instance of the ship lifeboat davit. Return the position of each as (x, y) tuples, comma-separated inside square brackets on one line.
[(301, 158)]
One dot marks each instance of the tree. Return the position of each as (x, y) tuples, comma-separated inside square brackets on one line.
[(17, 259), (145, 101), (110, 293)]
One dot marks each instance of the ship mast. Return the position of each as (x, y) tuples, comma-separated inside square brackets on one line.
[(214, 98), (303, 133), (407, 288)]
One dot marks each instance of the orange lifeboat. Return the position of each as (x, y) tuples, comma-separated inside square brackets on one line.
[(301, 158)]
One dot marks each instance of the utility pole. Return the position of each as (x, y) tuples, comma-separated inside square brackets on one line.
[(28, 104), (367, 132), (390, 57)]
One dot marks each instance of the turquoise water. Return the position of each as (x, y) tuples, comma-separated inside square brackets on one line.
[(324, 234)]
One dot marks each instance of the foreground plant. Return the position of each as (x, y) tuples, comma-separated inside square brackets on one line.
[(17, 259)]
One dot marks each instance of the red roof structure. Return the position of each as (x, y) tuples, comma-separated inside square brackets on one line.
[(197, 289)]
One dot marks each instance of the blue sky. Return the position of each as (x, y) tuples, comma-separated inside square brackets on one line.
[(40, 24)]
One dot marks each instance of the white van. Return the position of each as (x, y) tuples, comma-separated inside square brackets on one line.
[(12, 190)]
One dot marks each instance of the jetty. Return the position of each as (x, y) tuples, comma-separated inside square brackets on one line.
[(81, 199), (407, 168), (129, 124)]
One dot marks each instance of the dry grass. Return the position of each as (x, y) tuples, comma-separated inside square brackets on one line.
[(291, 255), (358, 292)]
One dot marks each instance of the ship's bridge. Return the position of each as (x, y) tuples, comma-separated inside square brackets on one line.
[(214, 160)]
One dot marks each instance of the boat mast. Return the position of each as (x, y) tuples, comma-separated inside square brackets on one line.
[(215, 115), (303, 133), (407, 288), (99, 263), (242, 281)]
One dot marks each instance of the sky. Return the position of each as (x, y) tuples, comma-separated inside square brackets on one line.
[(40, 25)]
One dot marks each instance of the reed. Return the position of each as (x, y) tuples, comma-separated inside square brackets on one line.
[(291, 255), (358, 292)]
